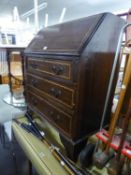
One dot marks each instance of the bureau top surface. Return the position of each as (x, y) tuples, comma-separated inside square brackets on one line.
[(66, 38)]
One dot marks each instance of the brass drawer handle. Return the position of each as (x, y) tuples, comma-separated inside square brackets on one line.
[(51, 113), (58, 70), (34, 66), (55, 92), (34, 102), (34, 82), (58, 117), (55, 117)]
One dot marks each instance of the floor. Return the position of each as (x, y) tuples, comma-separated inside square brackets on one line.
[(18, 164), (10, 164)]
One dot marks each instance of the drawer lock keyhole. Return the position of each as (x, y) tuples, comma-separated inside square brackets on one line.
[(34, 66)]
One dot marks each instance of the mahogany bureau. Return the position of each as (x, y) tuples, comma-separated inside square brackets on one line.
[(67, 71)]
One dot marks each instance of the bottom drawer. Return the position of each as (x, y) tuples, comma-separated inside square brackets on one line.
[(58, 118)]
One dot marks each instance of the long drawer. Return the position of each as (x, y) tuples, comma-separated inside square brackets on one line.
[(60, 119), (60, 69), (59, 92)]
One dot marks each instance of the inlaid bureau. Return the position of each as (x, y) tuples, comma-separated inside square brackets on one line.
[(67, 72)]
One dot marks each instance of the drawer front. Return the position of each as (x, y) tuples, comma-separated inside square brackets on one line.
[(61, 69), (57, 117), (58, 92)]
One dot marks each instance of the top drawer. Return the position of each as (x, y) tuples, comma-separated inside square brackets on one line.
[(61, 69)]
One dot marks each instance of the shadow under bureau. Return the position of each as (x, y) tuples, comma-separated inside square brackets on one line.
[(67, 72)]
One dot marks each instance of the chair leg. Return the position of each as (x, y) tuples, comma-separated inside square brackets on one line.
[(2, 135), (15, 162), (12, 150), (30, 167)]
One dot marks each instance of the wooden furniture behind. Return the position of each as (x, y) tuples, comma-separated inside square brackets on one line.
[(13, 55), (4, 79), (16, 69), (67, 71)]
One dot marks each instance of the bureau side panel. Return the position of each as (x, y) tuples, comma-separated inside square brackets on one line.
[(95, 70)]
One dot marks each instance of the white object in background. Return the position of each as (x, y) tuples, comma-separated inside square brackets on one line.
[(8, 112), (62, 15), (36, 15), (16, 14), (120, 79), (46, 19), (31, 12), (7, 124), (28, 21), (7, 127), (115, 102), (3, 62)]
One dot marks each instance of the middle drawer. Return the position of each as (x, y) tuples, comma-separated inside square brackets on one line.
[(58, 92)]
